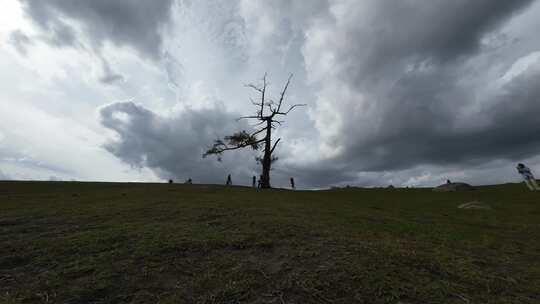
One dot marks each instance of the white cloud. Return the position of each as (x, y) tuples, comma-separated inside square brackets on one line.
[(399, 93)]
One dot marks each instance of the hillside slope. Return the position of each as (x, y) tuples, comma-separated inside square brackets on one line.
[(147, 243)]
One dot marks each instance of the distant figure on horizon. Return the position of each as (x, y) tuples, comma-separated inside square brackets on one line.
[(292, 183), (259, 185), (170, 181), (448, 181), (528, 177), (229, 181), (189, 181), (254, 181)]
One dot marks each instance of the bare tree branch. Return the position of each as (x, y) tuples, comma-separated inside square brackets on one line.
[(275, 145), (265, 124), (247, 117), (263, 96), (256, 88), (269, 105), (224, 148), (236, 141), (282, 95), (291, 108), (259, 131)]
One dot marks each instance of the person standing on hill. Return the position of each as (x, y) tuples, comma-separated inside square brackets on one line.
[(229, 181), (292, 184), (528, 177)]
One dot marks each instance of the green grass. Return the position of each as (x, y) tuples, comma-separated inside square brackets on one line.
[(149, 243)]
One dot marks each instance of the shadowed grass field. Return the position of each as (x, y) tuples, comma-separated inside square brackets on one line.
[(159, 243)]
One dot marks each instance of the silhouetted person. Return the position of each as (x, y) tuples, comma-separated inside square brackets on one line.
[(229, 181), (448, 181), (189, 181), (292, 183), (528, 177), (254, 181), (259, 185)]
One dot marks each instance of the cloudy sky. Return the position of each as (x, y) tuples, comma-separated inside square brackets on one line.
[(408, 92)]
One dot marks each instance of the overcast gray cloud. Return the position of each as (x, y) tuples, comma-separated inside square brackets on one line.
[(173, 146), (3, 176), (423, 127), (401, 92), (109, 76), (381, 38), (408, 83), (132, 23)]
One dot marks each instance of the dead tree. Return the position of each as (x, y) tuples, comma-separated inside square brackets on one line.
[(267, 114)]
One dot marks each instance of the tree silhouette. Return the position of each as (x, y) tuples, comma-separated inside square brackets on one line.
[(267, 114)]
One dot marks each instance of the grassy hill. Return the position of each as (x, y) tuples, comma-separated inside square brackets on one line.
[(148, 243)]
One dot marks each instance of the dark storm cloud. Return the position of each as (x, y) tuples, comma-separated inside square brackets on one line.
[(314, 176), (397, 33), (395, 88), (173, 146), (415, 75), (422, 134), (132, 23)]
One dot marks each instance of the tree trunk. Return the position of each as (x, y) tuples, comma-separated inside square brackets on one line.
[(267, 158)]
